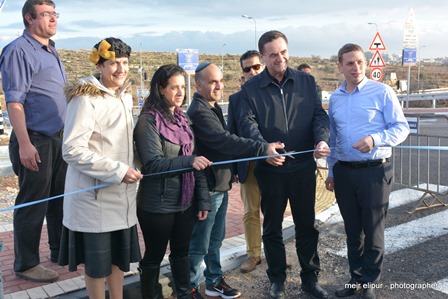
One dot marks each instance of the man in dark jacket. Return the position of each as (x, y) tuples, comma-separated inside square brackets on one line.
[(282, 104), (214, 141)]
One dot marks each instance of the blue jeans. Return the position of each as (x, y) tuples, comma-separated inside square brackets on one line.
[(207, 240)]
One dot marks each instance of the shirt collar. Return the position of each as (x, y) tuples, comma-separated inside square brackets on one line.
[(267, 78), (359, 87), (34, 42)]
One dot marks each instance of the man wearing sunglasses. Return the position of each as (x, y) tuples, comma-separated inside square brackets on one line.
[(249, 191), (282, 104)]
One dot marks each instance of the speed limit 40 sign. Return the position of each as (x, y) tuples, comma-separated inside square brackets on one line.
[(376, 74)]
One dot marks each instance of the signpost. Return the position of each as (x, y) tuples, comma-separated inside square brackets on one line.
[(377, 62), (188, 59), (376, 74), (410, 45)]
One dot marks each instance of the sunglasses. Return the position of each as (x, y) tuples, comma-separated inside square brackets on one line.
[(256, 67)]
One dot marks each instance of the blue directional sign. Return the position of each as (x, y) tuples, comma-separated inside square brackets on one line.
[(188, 59), (409, 56)]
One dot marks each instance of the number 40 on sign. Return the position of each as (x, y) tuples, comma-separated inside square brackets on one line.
[(376, 74)]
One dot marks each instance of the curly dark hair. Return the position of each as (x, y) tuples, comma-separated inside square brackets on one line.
[(160, 79), (120, 48)]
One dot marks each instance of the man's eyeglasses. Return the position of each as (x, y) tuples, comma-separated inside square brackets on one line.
[(256, 67), (50, 15)]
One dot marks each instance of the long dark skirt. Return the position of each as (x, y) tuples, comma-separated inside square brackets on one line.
[(99, 251)]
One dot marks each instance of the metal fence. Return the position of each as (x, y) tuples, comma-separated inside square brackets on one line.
[(425, 170)]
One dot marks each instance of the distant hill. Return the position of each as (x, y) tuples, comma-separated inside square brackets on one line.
[(432, 75)]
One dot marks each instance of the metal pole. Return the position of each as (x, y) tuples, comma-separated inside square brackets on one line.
[(189, 89), (408, 87), (371, 23), (418, 69), (222, 57), (255, 24)]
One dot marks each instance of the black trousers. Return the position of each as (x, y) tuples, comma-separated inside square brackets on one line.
[(300, 188), (47, 182), (158, 229), (363, 198)]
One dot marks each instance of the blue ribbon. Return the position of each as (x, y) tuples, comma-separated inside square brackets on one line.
[(149, 174), (420, 147)]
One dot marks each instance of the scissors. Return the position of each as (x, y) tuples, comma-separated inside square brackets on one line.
[(282, 151)]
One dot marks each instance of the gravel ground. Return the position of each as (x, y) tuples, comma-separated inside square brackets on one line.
[(409, 270)]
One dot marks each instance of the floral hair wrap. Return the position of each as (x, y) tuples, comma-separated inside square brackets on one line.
[(102, 51)]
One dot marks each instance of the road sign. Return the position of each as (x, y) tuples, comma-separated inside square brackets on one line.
[(188, 59), (376, 74), (409, 57), (377, 43), (377, 60), (142, 92), (410, 36)]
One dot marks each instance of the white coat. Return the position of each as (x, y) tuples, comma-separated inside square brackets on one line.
[(98, 148)]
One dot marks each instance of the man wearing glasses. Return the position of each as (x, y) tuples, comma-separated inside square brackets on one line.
[(249, 191), (282, 104), (33, 80)]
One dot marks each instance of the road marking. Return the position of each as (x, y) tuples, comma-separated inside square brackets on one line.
[(411, 233), (441, 285)]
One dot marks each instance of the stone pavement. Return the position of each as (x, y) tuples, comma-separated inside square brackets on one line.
[(232, 254)]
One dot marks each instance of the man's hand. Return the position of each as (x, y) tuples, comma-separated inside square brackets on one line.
[(29, 157), (365, 145), (132, 176), (201, 162), (272, 150), (322, 150), (329, 184), (202, 215)]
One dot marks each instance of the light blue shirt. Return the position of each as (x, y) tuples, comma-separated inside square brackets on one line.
[(371, 109)]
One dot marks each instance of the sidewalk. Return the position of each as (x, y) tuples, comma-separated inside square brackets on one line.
[(232, 253)]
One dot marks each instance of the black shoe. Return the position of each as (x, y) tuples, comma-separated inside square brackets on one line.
[(222, 289), (315, 290), (277, 290), (195, 294), (368, 293), (349, 289)]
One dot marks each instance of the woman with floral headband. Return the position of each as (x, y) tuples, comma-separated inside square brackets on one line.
[(100, 223), (168, 204)]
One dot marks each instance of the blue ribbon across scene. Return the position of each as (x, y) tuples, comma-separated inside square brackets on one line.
[(420, 147)]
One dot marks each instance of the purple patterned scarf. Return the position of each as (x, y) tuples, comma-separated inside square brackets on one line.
[(180, 134)]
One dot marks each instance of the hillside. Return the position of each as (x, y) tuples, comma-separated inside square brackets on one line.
[(76, 62)]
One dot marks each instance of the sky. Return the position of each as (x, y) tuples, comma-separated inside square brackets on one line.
[(313, 28)]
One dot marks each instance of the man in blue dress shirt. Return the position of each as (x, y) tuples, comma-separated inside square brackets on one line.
[(33, 81), (366, 119)]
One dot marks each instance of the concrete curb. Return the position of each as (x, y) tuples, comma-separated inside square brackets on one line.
[(5, 163), (233, 253)]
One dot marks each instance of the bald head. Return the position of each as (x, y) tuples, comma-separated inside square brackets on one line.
[(209, 82)]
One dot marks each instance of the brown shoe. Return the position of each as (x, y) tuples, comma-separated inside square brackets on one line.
[(250, 264), (39, 274)]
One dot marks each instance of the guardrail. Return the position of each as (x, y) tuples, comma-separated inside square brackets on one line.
[(426, 96), (423, 170)]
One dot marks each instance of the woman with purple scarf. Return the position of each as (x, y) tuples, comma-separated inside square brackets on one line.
[(169, 203)]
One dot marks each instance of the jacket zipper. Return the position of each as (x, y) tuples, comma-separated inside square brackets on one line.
[(284, 105)]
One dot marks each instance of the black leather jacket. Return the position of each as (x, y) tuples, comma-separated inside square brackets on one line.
[(162, 193)]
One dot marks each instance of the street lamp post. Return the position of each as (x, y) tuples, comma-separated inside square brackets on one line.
[(418, 68), (140, 71), (255, 24), (371, 23), (222, 57)]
